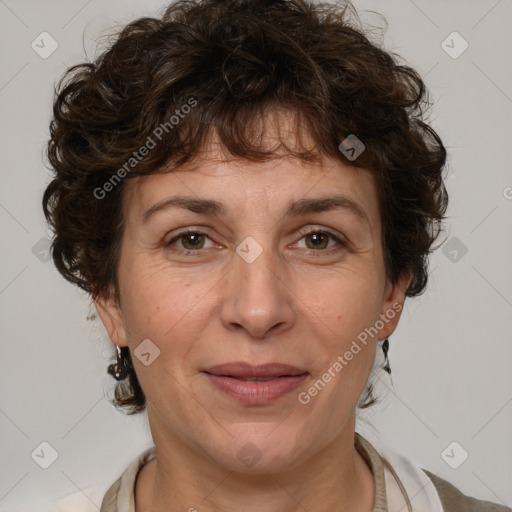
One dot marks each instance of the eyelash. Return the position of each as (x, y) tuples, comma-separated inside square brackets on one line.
[(321, 252)]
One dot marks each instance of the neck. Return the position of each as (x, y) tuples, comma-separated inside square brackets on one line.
[(180, 479)]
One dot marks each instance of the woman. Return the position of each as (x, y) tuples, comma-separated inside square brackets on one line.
[(249, 192)]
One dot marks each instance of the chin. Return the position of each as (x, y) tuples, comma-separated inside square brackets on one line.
[(259, 447)]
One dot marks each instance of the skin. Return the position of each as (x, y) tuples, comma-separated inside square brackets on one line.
[(287, 306)]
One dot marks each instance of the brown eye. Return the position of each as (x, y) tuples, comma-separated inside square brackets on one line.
[(318, 239), (191, 241), (317, 242)]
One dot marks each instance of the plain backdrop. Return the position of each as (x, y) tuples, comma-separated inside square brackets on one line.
[(451, 355)]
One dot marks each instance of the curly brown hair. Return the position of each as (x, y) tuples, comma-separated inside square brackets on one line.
[(229, 62)]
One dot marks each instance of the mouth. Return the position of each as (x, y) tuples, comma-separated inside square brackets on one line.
[(255, 384), (256, 379)]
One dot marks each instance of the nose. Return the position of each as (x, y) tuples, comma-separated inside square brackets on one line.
[(258, 296)]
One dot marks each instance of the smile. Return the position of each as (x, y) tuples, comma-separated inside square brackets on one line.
[(256, 390)]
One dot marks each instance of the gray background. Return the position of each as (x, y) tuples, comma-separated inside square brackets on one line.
[(451, 354)]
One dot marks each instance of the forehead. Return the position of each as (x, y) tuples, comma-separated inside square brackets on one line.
[(249, 192), (263, 186)]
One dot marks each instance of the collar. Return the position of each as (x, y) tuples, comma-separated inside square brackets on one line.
[(387, 479)]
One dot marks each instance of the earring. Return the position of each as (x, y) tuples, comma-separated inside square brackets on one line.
[(385, 349), (119, 369)]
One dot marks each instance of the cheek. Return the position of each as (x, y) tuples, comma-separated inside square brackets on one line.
[(159, 299), (173, 312), (342, 315), (345, 365), (344, 303)]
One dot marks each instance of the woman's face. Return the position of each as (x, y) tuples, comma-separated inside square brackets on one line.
[(250, 285)]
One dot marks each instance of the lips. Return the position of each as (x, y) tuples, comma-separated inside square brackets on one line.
[(255, 385), (247, 372)]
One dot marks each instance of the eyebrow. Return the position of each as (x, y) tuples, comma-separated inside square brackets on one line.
[(295, 209)]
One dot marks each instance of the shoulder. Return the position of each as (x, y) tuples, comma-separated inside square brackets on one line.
[(86, 500), (411, 487), (454, 500), (113, 497)]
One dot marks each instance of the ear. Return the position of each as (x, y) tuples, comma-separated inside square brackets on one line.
[(392, 307), (111, 317)]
